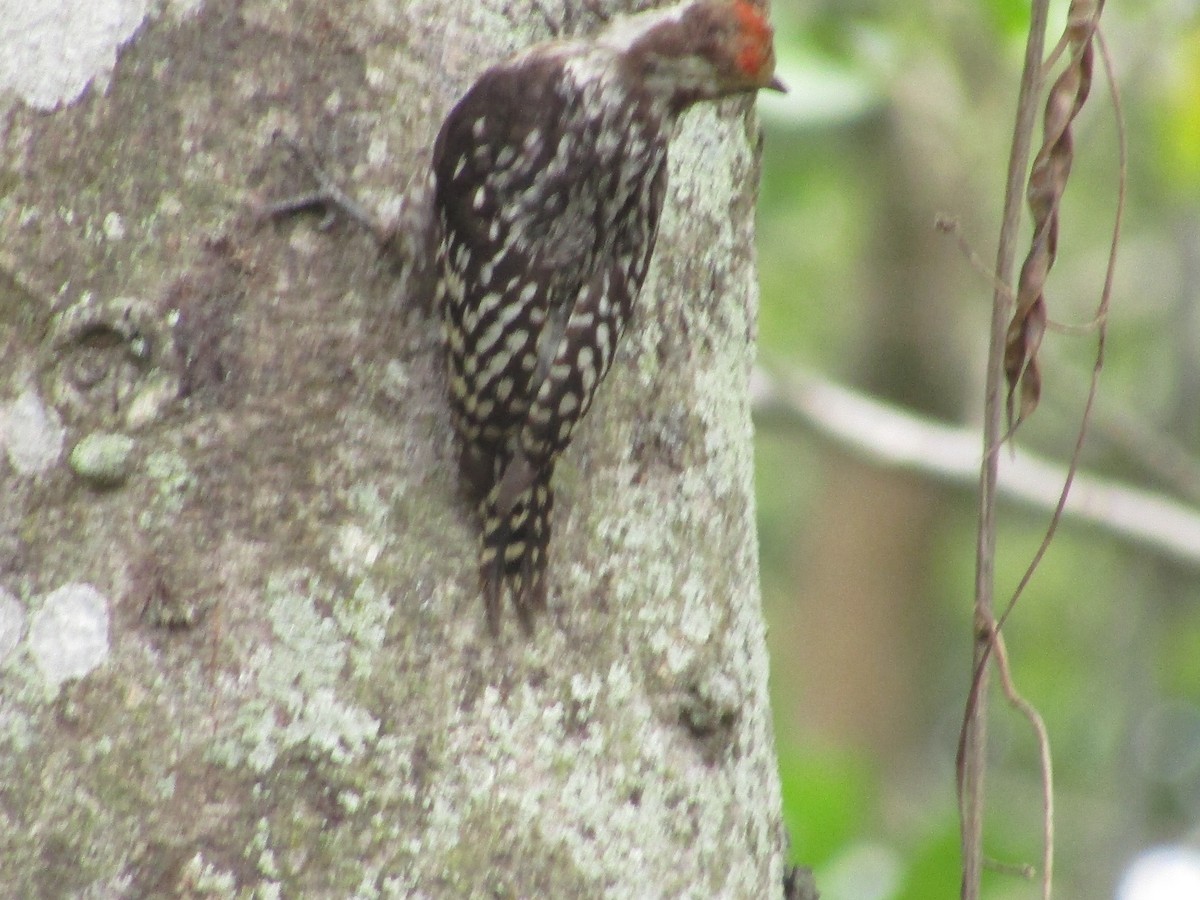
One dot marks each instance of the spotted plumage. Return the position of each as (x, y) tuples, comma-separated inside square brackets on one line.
[(550, 177)]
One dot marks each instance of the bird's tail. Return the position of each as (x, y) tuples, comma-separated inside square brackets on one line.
[(516, 540)]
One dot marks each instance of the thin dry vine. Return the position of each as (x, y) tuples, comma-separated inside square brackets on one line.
[(1022, 339), (1047, 181)]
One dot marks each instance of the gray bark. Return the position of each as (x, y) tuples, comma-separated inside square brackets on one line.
[(242, 650)]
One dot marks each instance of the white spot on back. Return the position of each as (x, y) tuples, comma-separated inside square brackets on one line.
[(602, 339), (489, 337), (516, 342)]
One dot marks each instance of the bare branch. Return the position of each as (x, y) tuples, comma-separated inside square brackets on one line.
[(896, 438)]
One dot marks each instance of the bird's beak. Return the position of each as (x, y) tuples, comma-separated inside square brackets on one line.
[(777, 85)]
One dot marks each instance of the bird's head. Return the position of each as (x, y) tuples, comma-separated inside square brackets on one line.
[(699, 50)]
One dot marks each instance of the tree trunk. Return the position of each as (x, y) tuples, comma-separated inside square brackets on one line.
[(242, 647)]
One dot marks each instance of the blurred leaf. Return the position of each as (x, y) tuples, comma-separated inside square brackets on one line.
[(812, 216), (1011, 17), (1101, 636), (1181, 651), (934, 865), (819, 93), (826, 801), (1179, 117), (865, 871)]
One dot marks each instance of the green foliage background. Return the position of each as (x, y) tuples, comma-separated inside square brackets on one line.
[(898, 113)]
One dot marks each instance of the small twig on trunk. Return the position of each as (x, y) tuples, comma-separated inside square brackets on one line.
[(328, 197)]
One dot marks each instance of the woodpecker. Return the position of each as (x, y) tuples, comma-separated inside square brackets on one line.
[(550, 175)]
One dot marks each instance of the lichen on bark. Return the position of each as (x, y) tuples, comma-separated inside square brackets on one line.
[(299, 695)]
